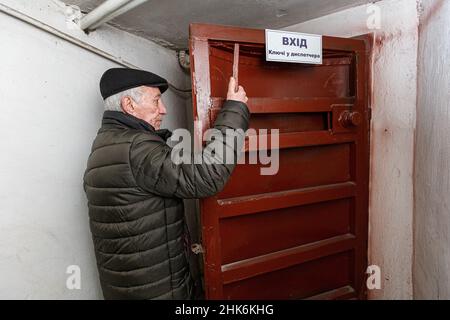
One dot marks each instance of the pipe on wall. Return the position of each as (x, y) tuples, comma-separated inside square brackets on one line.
[(53, 31), (107, 11), (49, 29)]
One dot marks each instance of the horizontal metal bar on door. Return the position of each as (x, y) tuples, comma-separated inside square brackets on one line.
[(345, 292), (249, 268), (258, 105), (239, 206)]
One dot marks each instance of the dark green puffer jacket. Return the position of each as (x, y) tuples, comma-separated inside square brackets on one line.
[(136, 212)]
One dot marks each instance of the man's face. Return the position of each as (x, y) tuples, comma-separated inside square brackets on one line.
[(150, 108)]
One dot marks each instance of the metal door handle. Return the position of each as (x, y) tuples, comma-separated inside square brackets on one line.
[(350, 119)]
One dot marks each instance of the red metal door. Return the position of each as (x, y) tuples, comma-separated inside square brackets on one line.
[(301, 233)]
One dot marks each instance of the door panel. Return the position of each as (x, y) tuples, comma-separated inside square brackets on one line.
[(292, 227), (298, 168), (301, 233), (280, 79), (296, 282)]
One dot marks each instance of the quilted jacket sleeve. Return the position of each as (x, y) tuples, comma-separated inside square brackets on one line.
[(155, 172)]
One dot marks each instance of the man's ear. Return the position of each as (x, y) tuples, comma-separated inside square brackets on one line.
[(127, 105)]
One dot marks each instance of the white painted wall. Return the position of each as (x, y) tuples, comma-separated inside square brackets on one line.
[(51, 110), (432, 166), (392, 134)]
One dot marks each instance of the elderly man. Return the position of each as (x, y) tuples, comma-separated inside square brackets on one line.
[(135, 190)]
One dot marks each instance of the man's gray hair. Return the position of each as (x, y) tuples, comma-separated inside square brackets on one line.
[(113, 103)]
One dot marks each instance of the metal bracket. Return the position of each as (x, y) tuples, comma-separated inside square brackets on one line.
[(197, 248)]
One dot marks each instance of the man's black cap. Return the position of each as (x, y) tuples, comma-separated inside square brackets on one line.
[(116, 80)]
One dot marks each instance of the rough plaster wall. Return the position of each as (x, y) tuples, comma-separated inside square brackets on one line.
[(432, 175), (392, 134), (50, 114)]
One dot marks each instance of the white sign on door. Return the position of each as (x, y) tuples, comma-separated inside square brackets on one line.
[(284, 46)]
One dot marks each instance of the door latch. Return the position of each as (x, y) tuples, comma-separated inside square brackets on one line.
[(350, 119), (345, 119), (197, 248)]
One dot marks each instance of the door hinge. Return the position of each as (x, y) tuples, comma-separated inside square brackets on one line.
[(197, 248)]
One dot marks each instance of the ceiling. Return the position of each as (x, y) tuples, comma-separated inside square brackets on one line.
[(167, 22)]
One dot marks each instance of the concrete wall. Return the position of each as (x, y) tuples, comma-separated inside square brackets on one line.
[(51, 110), (432, 156), (394, 69)]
